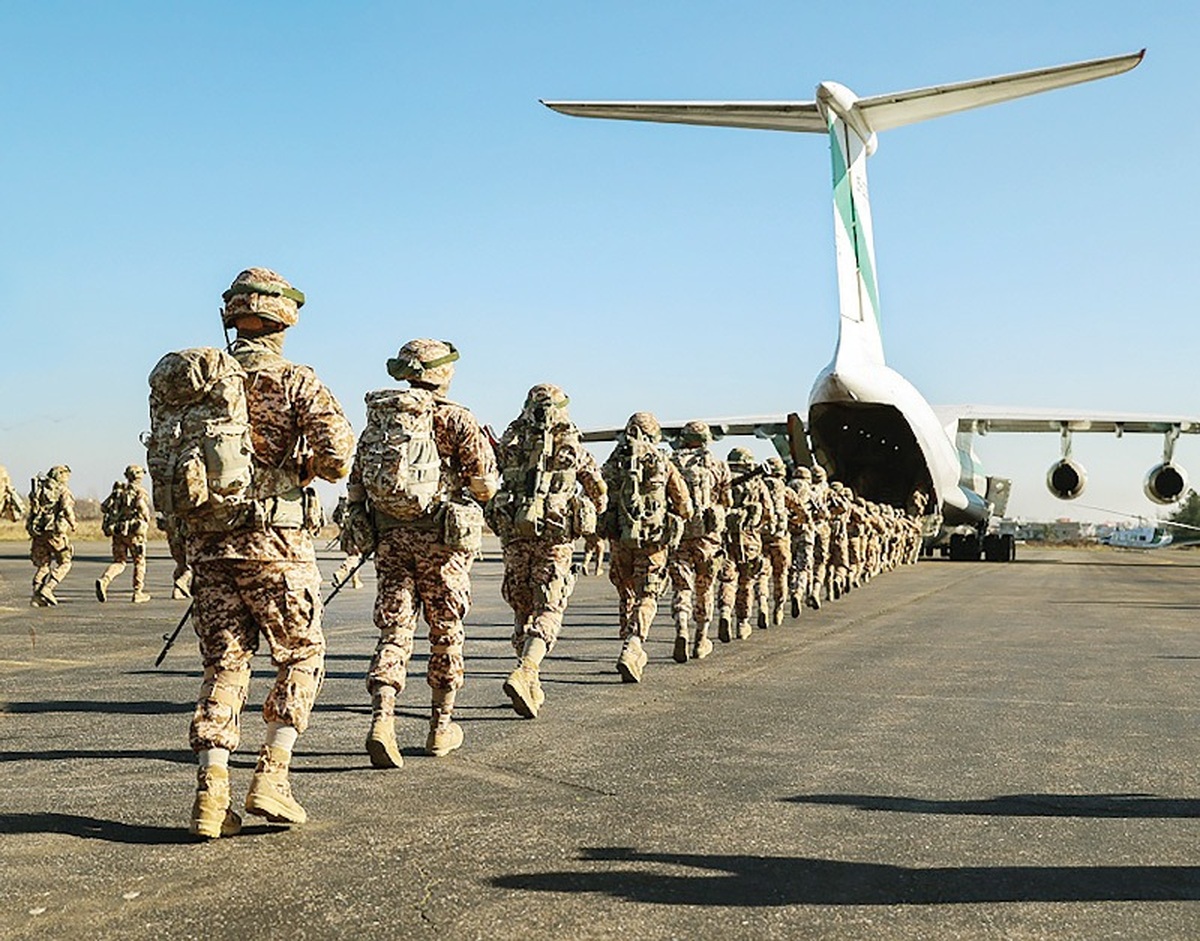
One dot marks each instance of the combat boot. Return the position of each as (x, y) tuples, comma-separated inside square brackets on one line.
[(633, 660), (744, 629), (777, 617), (140, 597), (795, 606), (45, 592), (444, 736), (524, 689), (102, 588), (270, 794), (762, 617), (680, 653), (211, 814), (179, 593), (381, 740), (724, 631), (701, 646)]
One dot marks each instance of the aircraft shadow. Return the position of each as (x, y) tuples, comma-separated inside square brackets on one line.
[(100, 754), (112, 831), (1126, 806), (765, 881), (139, 708)]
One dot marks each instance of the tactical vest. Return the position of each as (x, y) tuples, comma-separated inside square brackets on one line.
[(777, 526), (538, 484), (640, 504), (698, 473), (45, 516), (120, 512)]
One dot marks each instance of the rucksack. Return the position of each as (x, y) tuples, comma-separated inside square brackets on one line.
[(537, 495), (119, 511), (777, 526), (695, 467), (397, 453), (641, 497), (44, 492), (199, 450)]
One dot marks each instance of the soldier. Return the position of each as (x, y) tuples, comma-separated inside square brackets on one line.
[(749, 515), (822, 532), (350, 564), (647, 502), (49, 524), (694, 564), (787, 514), (537, 513), (594, 547), (11, 507), (126, 519), (839, 500), (803, 540), (255, 569), (422, 468)]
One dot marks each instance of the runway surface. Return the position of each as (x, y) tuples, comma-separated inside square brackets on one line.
[(954, 751)]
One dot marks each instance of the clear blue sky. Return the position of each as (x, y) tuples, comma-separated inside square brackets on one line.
[(391, 159)]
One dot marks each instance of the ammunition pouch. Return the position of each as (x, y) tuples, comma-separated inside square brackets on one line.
[(462, 526), (585, 520)]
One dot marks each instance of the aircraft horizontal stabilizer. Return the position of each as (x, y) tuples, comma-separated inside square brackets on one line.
[(763, 115), (908, 107)]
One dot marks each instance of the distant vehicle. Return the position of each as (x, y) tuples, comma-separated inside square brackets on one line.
[(867, 425), (1139, 537)]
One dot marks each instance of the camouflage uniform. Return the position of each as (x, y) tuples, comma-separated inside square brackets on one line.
[(822, 533), (262, 581), (537, 514), (416, 571), (181, 577), (594, 548), (837, 573), (751, 513), (127, 520), (693, 565), (787, 511), (49, 524), (11, 507), (803, 541), (638, 534)]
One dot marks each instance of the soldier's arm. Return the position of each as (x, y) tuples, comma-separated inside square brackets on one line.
[(324, 426), (476, 458), (677, 493), (724, 483), (68, 506), (590, 478)]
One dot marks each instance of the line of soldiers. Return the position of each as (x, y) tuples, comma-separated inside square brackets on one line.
[(238, 436)]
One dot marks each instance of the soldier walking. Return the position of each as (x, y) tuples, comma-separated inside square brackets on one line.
[(422, 469), (50, 523), (647, 505), (269, 426), (693, 565), (750, 513), (125, 517), (11, 507), (538, 513)]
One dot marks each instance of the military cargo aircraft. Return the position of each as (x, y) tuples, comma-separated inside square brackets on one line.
[(867, 425)]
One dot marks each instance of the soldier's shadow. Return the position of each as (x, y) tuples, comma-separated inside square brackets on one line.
[(112, 831)]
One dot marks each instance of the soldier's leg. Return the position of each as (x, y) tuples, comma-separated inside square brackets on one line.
[(39, 555), (444, 587), (60, 564), (649, 578), (285, 599), (621, 574), (114, 568), (682, 572), (781, 564), (138, 553), (552, 582), (706, 562), (517, 589), (727, 580)]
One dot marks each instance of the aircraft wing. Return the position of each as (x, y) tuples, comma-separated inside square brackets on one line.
[(985, 419), (763, 115), (757, 426)]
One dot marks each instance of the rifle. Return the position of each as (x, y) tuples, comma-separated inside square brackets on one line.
[(170, 638)]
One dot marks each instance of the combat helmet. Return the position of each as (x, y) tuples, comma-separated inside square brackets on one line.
[(695, 434), (260, 292), (134, 472), (774, 467), (425, 362), (740, 457), (818, 474), (59, 472), (643, 425), (800, 472), (545, 405)]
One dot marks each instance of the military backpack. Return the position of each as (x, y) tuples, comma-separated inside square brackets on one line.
[(120, 513), (44, 496), (638, 512), (397, 453), (696, 468)]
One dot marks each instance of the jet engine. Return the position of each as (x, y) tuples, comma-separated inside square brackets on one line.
[(1066, 479), (1165, 483)]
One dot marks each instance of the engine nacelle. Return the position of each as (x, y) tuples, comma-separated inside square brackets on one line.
[(1165, 483), (1066, 479)]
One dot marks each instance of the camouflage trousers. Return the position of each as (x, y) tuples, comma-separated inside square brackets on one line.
[(593, 554), (737, 583), (51, 557), (800, 575), (537, 585), (182, 576), (416, 573), (693, 568), (128, 549), (238, 602), (821, 536), (640, 576), (777, 562)]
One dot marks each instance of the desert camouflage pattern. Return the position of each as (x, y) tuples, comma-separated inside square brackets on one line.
[(238, 603), (299, 431), (743, 565), (538, 582), (639, 573), (788, 513), (695, 563), (804, 538), (11, 507), (282, 310), (181, 577), (129, 510), (51, 552), (416, 573), (595, 548)]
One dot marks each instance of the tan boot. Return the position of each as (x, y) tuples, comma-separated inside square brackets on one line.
[(45, 593), (680, 652), (444, 737), (140, 597), (102, 589), (744, 629), (633, 660), (381, 740), (211, 814), (724, 628), (777, 615), (270, 794), (701, 646), (524, 689)]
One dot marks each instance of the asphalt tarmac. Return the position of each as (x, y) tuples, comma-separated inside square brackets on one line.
[(953, 751)]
